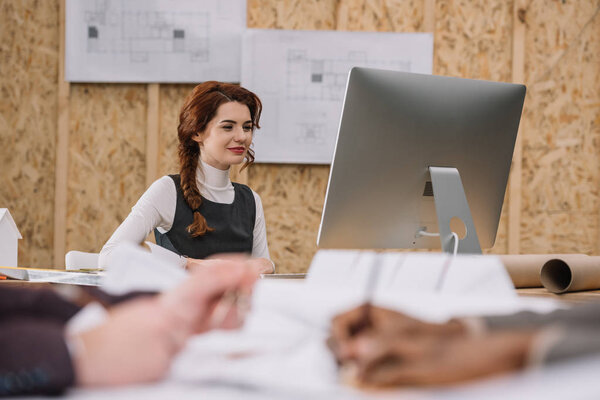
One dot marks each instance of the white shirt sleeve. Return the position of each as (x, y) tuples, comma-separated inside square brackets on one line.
[(155, 209), (260, 248)]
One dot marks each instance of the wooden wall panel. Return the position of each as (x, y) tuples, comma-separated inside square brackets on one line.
[(380, 15), (291, 14), (561, 130), (107, 160), (28, 106), (472, 39), (171, 100)]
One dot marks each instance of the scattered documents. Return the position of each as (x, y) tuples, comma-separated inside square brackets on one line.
[(91, 278)]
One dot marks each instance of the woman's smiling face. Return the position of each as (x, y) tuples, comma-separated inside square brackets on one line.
[(227, 137)]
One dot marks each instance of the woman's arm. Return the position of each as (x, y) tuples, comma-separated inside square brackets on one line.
[(262, 265), (156, 208), (260, 249)]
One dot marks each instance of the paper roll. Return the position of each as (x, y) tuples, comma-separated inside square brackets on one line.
[(525, 269), (560, 275)]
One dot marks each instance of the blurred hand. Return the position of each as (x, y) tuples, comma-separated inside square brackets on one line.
[(208, 289), (135, 344), (436, 360), (257, 265), (393, 349), (140, 338), (370, 321)]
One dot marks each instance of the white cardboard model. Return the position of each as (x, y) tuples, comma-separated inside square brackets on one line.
[(9, 235)]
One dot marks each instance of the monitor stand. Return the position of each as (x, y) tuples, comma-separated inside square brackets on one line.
[(450, 204)]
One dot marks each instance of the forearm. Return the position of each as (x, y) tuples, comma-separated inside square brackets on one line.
[(262, 265), (259, 265), (587, 315), (133, 230), (556, 336)]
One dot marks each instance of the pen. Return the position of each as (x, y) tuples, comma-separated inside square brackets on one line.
[(365, 321)]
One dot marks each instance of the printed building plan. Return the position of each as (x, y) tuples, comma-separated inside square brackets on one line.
[(301, 77), (154, 41)]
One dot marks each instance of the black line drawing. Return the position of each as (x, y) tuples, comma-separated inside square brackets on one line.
[(322, 79), (112, 29)]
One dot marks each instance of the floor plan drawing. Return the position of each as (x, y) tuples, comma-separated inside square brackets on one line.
[(301, 77), (139, 33), (325, 78), (162, 40)]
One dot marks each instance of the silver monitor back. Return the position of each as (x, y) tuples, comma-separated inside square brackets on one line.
[(394, 126)]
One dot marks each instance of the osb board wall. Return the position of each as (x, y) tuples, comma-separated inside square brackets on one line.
[(472, 39), (171, 100), (106, 160), (562, 128), (28, 106)]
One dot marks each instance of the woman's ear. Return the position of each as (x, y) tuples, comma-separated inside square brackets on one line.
[(197, 137)]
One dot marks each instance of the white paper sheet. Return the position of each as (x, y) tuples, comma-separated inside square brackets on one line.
[(134, 268), (301, 77), (154, 41), (435, 273)]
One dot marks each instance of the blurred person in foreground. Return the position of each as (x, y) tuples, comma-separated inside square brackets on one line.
[(136, 342), (377, 347)]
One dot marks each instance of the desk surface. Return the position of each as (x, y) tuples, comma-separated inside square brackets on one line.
[(584, 296), (576, 297)]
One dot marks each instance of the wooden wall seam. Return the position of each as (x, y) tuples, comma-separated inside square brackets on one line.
[(152, 133), (62, 150), (516, 175), (429, 16)]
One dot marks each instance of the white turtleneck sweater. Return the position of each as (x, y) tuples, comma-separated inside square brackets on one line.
[(156, 209)]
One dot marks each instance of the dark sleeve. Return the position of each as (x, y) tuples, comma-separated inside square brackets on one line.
[(583, 316), (35, 303), (34, 358), (574, 342), (108, 300)]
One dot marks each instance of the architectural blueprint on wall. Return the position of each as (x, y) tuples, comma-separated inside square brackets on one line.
[(301, 77), (154, 40)]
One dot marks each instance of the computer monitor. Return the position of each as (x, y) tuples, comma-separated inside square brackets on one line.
[(399, 130)]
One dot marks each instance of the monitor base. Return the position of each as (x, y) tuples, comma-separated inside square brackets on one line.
[(451, 205)]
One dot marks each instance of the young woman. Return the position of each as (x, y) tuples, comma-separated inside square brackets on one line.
[(199, 213)]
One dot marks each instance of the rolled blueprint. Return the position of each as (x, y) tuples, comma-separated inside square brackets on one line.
[(560, 275), (525, 269)]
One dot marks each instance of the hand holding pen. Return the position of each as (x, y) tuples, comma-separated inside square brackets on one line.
[(215, 297)]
